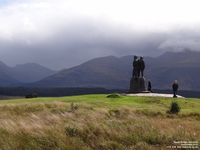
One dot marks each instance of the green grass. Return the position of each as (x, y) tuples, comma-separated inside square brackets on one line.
[(90, 122)]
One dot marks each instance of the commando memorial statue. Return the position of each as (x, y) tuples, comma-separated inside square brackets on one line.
[(137, 82)]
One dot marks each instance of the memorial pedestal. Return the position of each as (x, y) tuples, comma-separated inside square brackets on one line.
[(137, 85)]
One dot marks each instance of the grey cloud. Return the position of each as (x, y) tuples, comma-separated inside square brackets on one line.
[(182, 39), (78, 42), (177, 45), (81, 40), (57, 40)]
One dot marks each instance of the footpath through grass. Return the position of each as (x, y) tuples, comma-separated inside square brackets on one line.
[(90, 122)]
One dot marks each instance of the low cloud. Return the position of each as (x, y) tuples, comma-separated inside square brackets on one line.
[(180, 45), (61, 34), (181, 40)]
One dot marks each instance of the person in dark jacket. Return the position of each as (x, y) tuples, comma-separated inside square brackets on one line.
[(175, 88), (149, 86)]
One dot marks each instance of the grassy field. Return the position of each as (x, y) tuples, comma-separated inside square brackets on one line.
[(95, 122)]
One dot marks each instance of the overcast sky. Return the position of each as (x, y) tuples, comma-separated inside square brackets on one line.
[(63, 33)]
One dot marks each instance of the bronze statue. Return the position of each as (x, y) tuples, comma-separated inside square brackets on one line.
[(138, 67), (137, 83), (135, 67), (141, 67)]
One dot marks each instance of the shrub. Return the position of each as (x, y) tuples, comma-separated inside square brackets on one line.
[(74, 107), (71, 131), (113, 95), (30, 95), (175, 108)]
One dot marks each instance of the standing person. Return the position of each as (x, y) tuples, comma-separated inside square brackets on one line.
[(149, 86), (175, 88)]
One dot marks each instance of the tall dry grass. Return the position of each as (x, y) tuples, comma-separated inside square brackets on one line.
[(58, 126)]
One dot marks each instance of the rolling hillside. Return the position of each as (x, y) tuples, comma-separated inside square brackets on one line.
[(109, 72), (30, 72), (25, 73), (5, 80), (113, 72), (183, 66)]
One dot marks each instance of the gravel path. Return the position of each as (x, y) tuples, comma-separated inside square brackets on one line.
[(153, 95)]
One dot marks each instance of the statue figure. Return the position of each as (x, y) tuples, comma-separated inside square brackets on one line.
[(137, 83), (135, 67), (141, 67)]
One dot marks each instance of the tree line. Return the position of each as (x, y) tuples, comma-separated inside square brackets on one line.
[(65, 91), (54, 91)]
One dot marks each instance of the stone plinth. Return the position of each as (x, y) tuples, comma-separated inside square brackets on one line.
[(137, 85)]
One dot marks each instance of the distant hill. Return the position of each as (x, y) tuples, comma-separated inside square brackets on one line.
[(30, 72), (109, 72), (26, 73), (183, 66), (112, 72), (5, 80)]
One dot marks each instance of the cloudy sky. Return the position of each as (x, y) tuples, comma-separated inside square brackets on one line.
[(63, 33)]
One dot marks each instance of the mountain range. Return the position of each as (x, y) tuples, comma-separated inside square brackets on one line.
[(110, 72), (21, 74)]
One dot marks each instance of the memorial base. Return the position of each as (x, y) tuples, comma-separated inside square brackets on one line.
[(137, 85)]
